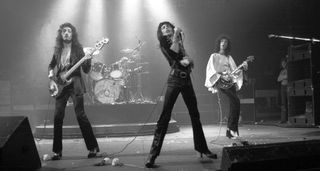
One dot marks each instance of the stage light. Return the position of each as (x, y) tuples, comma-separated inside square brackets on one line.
[(64, 11), (60, 11), (161, 10), (130, 18), (93, 24)]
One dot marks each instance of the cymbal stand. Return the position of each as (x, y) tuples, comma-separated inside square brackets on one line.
[(138, 96)]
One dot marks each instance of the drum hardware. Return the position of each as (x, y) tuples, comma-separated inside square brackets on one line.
[(126, 51), (137, 69), (119, 82), (123, 59), (134, 50), (137, 56), (98, 70), (134, 71), (143, 63)]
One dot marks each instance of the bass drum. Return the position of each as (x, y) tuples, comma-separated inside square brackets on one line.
[(107, 91)]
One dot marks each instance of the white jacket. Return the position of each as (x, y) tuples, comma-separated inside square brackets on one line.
[(212, 76)]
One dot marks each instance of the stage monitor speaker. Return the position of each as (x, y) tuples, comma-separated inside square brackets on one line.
[(17, 147), (299, 155)]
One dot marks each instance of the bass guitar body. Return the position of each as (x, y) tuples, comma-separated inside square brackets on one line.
[(57, 84)]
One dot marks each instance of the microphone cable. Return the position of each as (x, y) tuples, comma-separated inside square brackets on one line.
[(104, 154), (219, 113)]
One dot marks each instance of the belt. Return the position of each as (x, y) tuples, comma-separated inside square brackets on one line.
[(178, 73)]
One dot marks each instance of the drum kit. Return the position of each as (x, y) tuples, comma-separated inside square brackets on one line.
[(119, 82)]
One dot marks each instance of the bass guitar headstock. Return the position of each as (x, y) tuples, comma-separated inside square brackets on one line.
[(99, 45), (96, 49)]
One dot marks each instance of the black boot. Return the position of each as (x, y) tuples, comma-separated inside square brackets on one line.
[(93, 153), (209, 154), (232, 134), (56, 156), (150, 161), (156, 146)]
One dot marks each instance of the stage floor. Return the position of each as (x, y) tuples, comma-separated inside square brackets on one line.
[(177, 151)]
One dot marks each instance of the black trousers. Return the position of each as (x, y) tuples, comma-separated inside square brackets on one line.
[(175, 86), (83, 121), (234, 101)]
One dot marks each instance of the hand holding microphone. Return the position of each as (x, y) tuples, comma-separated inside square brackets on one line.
[(177, 35), (177, 30)]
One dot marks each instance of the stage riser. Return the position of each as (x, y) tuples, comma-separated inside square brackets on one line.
[(105, 114), (115, 130)]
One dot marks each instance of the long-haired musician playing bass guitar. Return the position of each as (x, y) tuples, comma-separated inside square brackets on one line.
[(222, 75), (67, 53)]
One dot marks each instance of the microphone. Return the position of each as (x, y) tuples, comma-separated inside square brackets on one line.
[(181, 33), (272, 35)]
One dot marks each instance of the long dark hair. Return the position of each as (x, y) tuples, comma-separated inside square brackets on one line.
[(161, 37), (59, 41), (218, 41), (159, 33)]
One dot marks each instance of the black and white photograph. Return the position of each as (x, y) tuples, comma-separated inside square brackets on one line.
[(164, 85)]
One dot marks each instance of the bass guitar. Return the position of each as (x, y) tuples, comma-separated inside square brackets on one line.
[(61, 80), (227, 80)]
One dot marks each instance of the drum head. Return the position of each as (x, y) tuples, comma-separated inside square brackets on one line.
[(116, 74), (107, 91)]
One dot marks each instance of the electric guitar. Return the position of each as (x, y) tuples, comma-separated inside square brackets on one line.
[(62, 79), (227, 80)]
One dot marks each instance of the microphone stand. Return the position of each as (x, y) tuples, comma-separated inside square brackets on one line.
[(313, 40)]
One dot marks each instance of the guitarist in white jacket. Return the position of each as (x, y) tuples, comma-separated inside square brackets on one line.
[(219, 67), (67, 52)]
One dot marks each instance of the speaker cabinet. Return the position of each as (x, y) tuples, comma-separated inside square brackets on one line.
[(247, 101), (17, 147), (304, 84), (300, 155)]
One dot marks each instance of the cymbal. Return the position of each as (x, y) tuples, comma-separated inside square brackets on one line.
[(124, 59), (136, 55), (126, 50)]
